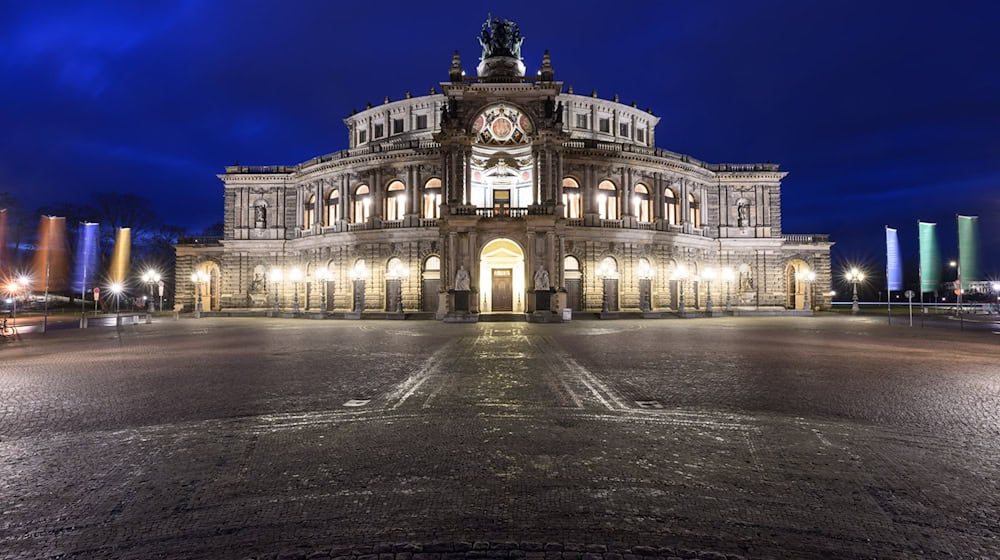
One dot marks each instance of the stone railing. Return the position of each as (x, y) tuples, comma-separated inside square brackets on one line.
[(574, 222), (501, 212), (392, 224), (357, 227), (805, 238), (428, 222), (611, 224), (617, 148)]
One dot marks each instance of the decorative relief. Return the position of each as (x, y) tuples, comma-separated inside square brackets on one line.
[(502, 125)]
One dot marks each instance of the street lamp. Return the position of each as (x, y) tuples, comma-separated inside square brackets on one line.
[(958, 283), (116, 290), (13, 287), (645, 273), (358, 274), (680, 274), (996, 292), (854, 276), (151, 278), (275, 278), (808, 277), (728, 274), (198, 279), (708, 274), (295, 275), (398, 272), (323, 276)]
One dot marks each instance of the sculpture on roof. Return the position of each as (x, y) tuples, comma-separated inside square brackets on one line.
[(500, 38)]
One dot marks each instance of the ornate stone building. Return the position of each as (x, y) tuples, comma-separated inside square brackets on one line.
[(501, 184)]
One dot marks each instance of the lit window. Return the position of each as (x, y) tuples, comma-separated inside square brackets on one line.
[(642, 203), (432, 199), (395, 201), (572, 202), (332, 204), (309, 212), (694, 211), (362, 204), (571, 266), (581, 121), (397, 126), (672, 211), (607, 201), (421, 122)]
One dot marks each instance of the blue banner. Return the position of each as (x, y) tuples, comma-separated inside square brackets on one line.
[(893, 264)]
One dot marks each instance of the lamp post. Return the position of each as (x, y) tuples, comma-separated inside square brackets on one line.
[(323, 276), (116, 290), (275, 278), (12, 288), (807, 277), (958, 283), (854, 276), (645, 273), (708, 274), (295, 275), (602, 273), (152, 278), (198, 279), (358, 274), (397, 272), (680, 274), (727, 276)]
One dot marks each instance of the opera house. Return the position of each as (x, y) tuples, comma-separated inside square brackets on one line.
[(504, 193)]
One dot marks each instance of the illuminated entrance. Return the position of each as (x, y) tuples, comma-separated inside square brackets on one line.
[(501, 277)]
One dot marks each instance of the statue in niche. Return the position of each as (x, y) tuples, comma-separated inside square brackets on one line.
[(258, 284), (461, 280), (746, 279), (541, 280), (743, 214), (260, 215)]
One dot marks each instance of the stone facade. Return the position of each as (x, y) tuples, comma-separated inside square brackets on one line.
[(502, 175)]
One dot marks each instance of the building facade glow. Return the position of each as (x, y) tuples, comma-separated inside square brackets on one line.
[(502, 175)]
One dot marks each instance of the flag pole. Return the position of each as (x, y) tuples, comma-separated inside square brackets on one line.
[(920, 276), (888, 283)]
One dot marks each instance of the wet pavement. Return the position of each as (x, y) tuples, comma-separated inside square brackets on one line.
[(748, 437)]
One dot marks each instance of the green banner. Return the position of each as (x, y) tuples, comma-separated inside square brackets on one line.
[(930, 257), (968, 249)]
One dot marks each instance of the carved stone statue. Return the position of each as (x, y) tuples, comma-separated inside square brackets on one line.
[(260, 216), (743, 214), (746, 279), (461, 280), (541, 280)]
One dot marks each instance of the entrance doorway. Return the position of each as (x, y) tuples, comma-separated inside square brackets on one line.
[(503, 290), (501, 277)]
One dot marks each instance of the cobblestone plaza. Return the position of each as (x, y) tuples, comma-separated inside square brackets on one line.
[(237, 438)]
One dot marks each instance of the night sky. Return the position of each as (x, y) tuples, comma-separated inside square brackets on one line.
[(883, 112)]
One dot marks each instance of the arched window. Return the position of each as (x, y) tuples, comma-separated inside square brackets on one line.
[(362, 204), (432, 199), (572, 203), (671, 210), (395, 201), (309, 212), (260, 214), (643, 204), (607, 200), (694, 211), (571, 265), (332, 205), (608, 268)]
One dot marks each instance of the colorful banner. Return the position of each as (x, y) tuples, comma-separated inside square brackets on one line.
[(120, 258), (968, 250), (893, 264), (930, 257)]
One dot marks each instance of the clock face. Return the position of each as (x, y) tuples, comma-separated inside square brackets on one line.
[(501, 124)]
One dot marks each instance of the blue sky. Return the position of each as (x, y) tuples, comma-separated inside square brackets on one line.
[(882, 112)]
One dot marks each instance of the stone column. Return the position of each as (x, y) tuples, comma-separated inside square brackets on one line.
[(529, 272), (467, 174)]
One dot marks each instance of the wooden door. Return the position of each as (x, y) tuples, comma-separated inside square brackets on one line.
[(503, 290), (429, 295), (573, 293)]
